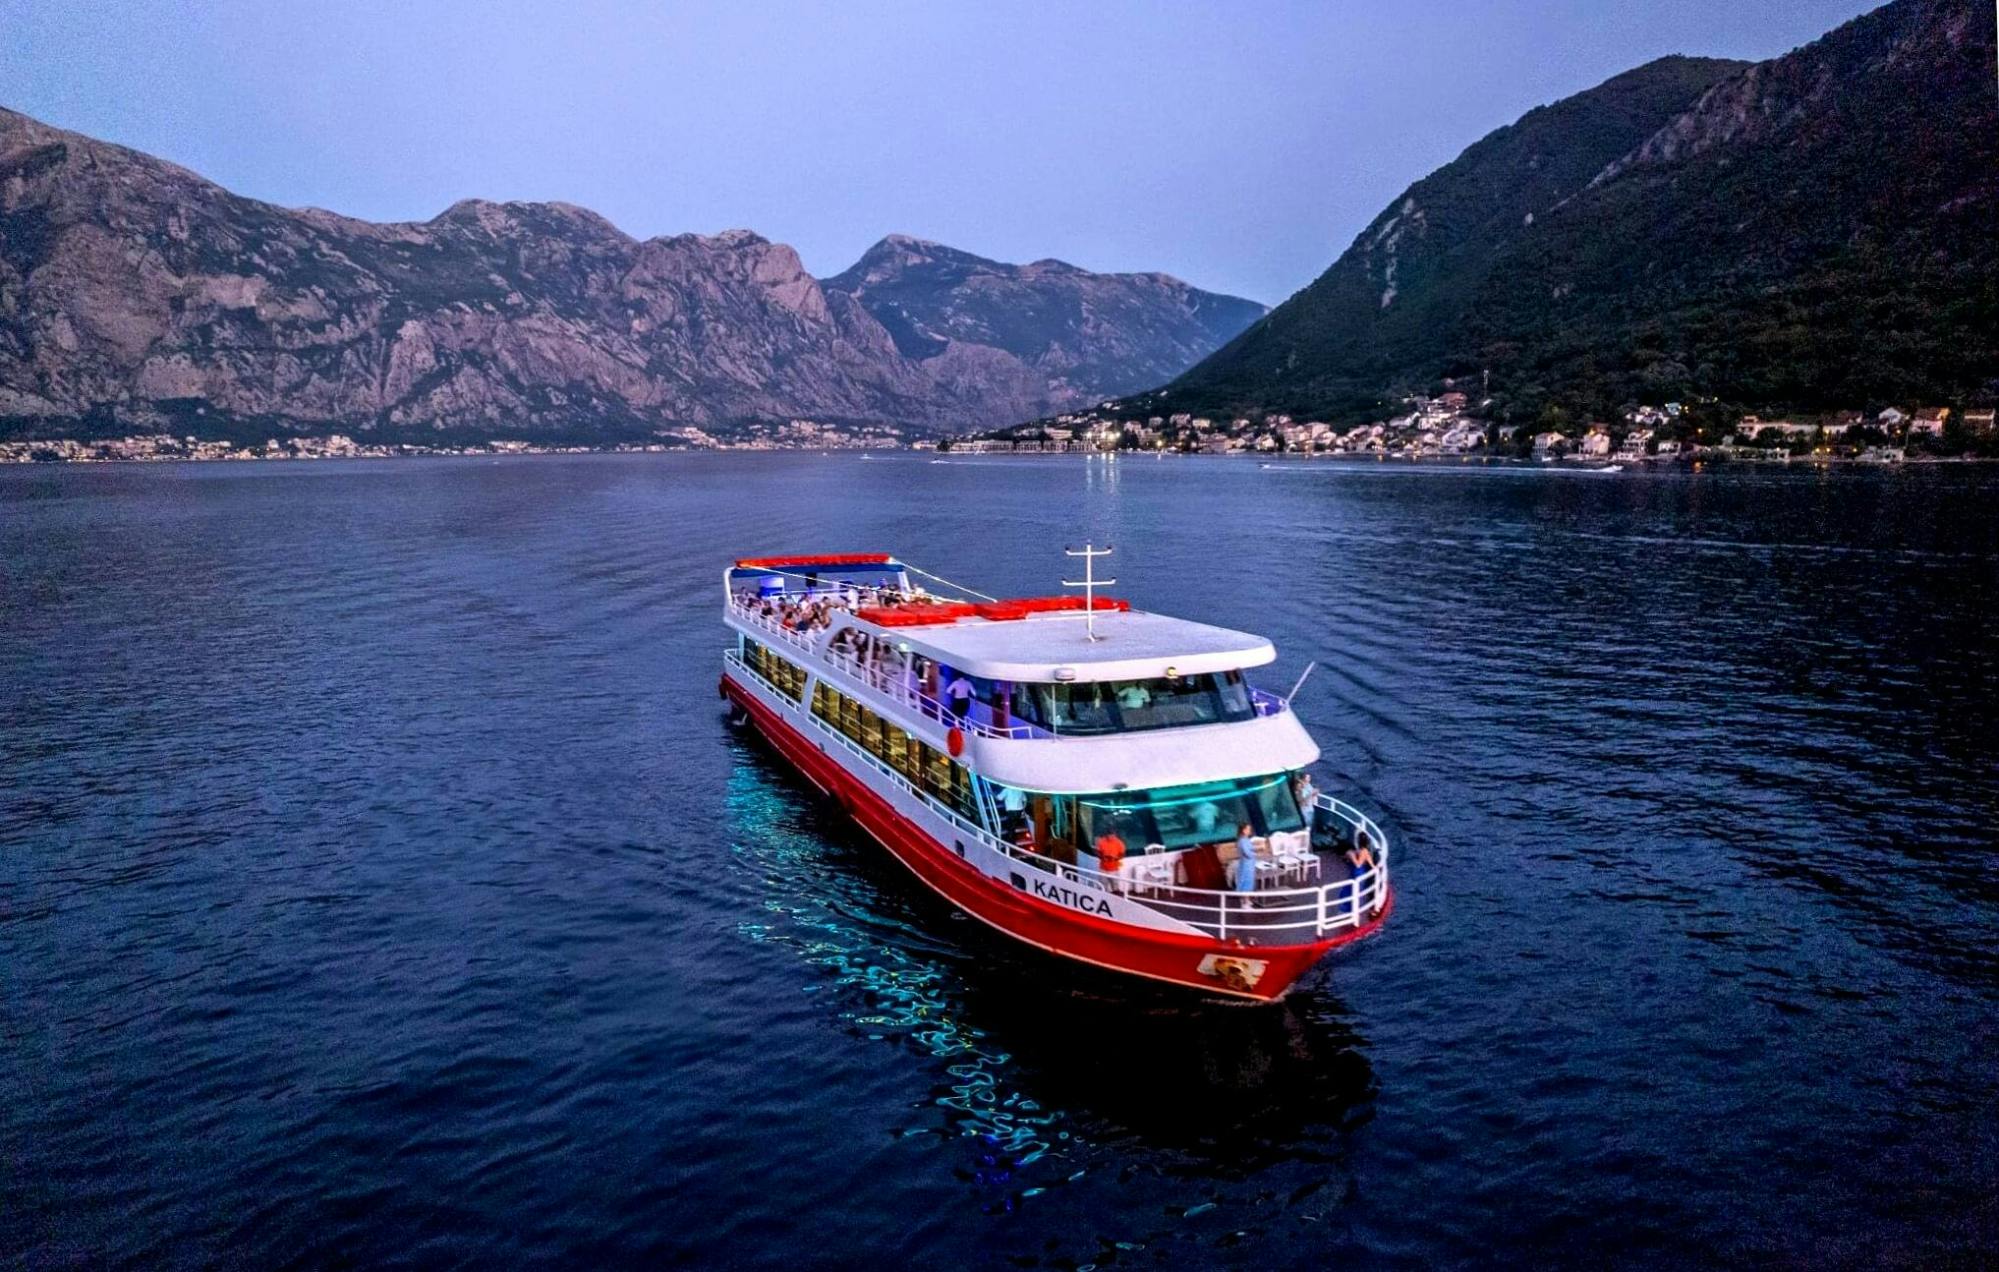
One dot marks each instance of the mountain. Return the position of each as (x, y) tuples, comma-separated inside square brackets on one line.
[(1811, 232), (135, 295), (1092, 335)]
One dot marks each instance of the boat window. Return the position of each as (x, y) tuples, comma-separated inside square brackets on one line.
[(787, 677), (925, 767), (1126, 706), (1174, 817)]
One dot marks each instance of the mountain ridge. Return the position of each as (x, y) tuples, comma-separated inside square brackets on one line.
[(1800, 233), (137, 295)]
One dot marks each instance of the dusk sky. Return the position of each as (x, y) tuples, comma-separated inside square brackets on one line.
[(1239, 146)]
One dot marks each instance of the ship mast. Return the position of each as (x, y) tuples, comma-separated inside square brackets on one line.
[(1089, 582)]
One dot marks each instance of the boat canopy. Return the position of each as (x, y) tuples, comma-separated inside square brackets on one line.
[(825, 571), (834, 558)]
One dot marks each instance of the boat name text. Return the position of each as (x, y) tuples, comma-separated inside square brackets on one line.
[(1070, 897)]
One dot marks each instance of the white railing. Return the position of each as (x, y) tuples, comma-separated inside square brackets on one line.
[(897, 689), (1266, 916), (878, 679), (802, 639)]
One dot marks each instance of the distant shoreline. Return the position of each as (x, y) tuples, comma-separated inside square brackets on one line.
[(165, 449), (23, 454)]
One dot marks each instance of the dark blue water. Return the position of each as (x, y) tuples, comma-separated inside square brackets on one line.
[(380, 883)]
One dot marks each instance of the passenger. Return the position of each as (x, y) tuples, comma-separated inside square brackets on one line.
[(959, 694), (1013, 809), (1308, 800), (1361, 855), (1110, 851), (1134, 696), (1245, 859), (1361, 858), (1206, 815)]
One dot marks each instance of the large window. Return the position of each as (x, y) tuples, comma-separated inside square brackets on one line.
[(1125, 706), (1183, 816), (786, 676), (922, 765)]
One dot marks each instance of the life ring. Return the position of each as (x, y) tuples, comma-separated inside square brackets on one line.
[(955, 740)]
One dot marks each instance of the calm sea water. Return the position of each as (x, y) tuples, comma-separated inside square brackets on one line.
[(379, 881)]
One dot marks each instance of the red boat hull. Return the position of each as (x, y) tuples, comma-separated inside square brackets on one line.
[(1161, 956)]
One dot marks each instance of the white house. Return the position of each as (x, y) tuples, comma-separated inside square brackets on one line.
[(1633, 446)]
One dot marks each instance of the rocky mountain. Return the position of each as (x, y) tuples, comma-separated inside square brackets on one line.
[(135, 295), (1812, 232), (1089, 335)]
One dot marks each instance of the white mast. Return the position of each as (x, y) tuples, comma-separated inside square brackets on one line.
[(1089, 552)]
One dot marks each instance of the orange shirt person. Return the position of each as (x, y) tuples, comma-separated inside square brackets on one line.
[(1110, 852)]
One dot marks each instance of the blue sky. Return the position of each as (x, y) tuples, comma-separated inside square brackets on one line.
[(1240, 146)]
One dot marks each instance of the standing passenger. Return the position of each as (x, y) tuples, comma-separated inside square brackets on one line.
[(1245, 859), (1308, 802)]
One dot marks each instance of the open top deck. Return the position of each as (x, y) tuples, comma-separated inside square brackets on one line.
[(1048, 646), (1028, 639)]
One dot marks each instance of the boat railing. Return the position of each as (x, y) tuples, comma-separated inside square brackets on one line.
[(884, 681), (896, 688), (801, 639), (1266, 916)]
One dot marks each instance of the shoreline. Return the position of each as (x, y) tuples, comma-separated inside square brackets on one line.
[(148, 450)]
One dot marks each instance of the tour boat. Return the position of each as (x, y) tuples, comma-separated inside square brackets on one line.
[(1069, 770)]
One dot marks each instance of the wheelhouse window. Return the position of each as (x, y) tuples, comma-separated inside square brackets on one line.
[(1128, 706), (1174, 817)]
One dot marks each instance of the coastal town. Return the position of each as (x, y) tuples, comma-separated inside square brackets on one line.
[(1445, 426), (164, 447), (1450, 425)]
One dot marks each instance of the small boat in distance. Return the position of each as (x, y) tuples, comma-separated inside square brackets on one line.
[(1069, 770)]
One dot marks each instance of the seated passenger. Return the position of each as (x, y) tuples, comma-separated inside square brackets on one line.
[(1134, 696)]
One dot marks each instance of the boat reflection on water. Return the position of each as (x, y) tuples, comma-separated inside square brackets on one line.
[(1238, 1087), (1045, 1066)]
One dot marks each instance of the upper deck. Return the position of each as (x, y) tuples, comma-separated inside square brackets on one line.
[(1033, 640), (1057, 645), (1153, 699)]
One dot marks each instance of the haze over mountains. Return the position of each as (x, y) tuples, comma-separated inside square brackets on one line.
[(1813, 232), (135, 295)]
